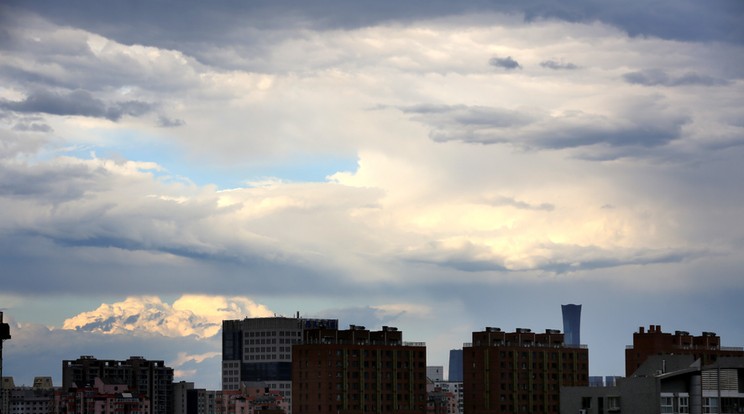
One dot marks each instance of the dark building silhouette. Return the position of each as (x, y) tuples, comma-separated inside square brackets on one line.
[(520, 372), (358, 371), (151, 378), (572, 324), (455, 366), (706, 347)]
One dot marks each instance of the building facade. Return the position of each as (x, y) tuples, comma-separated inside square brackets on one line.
[(521, 371), (260, 350), (669, 384), (37, 399), (358, 371), (571, 324), (100, 397), (150, 377), (706, 347)]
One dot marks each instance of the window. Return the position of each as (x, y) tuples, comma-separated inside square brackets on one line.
[(710, 405), (613, 403), (667, 404), (684, 405)]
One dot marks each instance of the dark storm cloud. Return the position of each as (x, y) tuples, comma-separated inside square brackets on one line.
[(555, 65), (76, 103), (198, 26), (506, 63), (658, 77), (643, 125)]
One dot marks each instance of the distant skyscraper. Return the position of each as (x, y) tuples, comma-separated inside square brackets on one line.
[(455, 365), (572, 324)]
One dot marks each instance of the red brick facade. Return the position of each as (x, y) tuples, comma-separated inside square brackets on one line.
[(358, 371), (520, 372)]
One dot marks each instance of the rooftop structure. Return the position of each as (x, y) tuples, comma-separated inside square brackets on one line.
[(706, 347)]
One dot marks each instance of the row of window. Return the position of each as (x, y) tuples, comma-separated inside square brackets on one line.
[(253, 334), (263, 341), (268, 357)]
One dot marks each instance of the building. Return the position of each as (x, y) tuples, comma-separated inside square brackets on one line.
[(151, 378), (203, 401), (666, 384), (37, 399), (4, 335), (435, 373), (572, 324), (180, 390), (521, 371), (109, 396), (260, 350), (706, 347), (451, 391), (455, 365), (439, 401), (358, 371)]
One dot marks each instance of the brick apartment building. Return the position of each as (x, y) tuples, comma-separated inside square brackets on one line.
[(521, 371), (358, 371), (706, 347)]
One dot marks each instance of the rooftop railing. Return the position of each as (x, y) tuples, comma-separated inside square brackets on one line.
[(526, 345), (703, 348)]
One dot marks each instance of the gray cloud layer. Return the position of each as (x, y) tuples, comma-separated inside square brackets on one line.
[(76, 102)]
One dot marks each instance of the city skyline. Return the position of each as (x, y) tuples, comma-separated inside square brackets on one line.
[(440, 167)]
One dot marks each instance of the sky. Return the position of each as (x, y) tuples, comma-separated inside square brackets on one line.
[(436, 166)]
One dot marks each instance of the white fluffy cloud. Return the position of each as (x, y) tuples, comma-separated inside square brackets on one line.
[(197, 315)]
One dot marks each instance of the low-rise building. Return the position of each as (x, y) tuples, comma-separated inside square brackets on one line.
[(706, 347), (666, 384)]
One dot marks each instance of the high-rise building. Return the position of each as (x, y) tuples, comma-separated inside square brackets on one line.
[(260, 350), (151, 378), (572, 324), (521, 371), (455, 365), (358, 371), (706, 347)]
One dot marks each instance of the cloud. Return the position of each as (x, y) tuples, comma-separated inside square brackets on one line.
[(657, 77), (166, 122), (645, 124), (506, 63), (226, 21), (555, 65), (471, 256), (36, 350), (76, 103), (197, 315)]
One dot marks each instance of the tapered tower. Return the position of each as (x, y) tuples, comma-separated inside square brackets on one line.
[(572, 324)]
